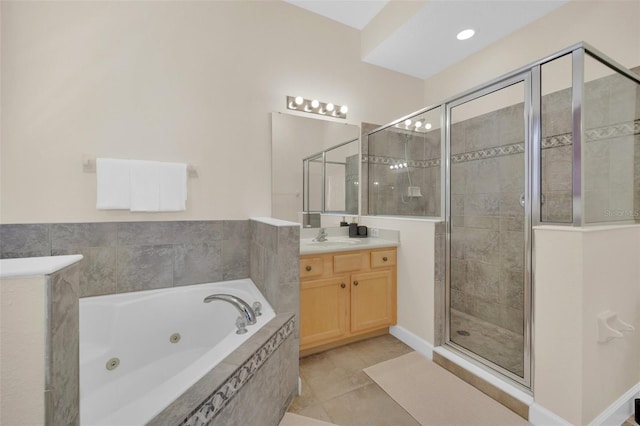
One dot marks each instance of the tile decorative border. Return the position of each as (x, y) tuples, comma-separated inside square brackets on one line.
[(613, 131), (498, 151), (212, 405), (389, 161), (555, 141)]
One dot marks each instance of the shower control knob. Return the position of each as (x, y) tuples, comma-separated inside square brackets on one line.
[(343, 285), (308, 268)]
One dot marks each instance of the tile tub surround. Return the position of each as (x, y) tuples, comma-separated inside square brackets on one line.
[(259, 375), (130, 256), (273, 262), (133, 256)]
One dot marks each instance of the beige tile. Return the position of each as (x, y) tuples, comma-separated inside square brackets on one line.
[(315, 412), (378, 349), (337, 382), (291, 419), (306, 399), (367, 406)]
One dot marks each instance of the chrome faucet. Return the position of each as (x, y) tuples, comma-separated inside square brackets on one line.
[(322, 235), (247, 313)]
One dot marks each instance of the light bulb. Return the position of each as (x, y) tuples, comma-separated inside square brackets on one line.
[(418, 124), (391, 167), (465, 34), (315, 103), (407, 122), (299, 100), (344, 109), (427, 126), (330, 107)]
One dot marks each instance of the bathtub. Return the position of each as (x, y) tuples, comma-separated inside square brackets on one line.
[(140, 351)]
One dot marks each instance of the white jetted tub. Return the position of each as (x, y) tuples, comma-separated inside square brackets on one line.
[(139, 351)]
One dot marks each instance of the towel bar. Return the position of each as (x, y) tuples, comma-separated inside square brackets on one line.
[(89, 166)]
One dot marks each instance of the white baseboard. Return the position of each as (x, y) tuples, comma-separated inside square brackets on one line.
[(614, 415), (540, 416), (418, 344), (619, 411)]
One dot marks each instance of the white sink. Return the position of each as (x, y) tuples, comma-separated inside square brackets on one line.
[(332, 242)]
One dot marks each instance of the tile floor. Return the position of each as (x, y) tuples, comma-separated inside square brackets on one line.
[(336, 390)]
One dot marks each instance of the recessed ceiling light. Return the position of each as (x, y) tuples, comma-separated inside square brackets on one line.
[(465, 34)]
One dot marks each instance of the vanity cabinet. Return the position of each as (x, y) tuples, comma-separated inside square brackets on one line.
[(345, 297)]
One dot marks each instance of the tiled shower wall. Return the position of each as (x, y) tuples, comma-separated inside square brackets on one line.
[(133, 256), (610, 156), (487, 223), (388, 187), (487, 180), (352, 184)]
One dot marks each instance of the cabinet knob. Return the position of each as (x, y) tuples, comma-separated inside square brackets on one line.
[(384, 259), (343, 285), (308, 268), (355, 283)]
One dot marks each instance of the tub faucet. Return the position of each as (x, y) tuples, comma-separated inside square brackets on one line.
[(322, 235), (247, 314)]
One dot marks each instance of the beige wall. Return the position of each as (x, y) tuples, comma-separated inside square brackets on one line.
[(581, 272), (171, 81), (415, 272), (609, 26), (22, 350)]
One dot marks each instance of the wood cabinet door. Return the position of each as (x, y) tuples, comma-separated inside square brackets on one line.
[(373, 300), (323, 310)]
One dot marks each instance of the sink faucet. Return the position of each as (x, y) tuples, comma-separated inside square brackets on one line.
[(247, 313), (322, 235)]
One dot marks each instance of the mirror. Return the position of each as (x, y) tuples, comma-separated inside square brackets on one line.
[(294, 139), (313, 169)]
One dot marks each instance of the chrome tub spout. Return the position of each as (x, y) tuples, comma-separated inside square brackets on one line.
[(247, 314)]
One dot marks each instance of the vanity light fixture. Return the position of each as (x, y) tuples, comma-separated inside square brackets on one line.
[(298, 103), (465, 34)]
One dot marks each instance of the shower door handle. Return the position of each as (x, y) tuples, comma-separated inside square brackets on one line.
[(522, 199)]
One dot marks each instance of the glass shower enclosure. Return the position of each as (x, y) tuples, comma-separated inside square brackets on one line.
[(554, 143)]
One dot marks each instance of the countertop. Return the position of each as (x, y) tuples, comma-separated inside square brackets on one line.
[(338, 240)]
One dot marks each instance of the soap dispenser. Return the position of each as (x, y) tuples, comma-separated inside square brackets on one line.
[(353, 228)]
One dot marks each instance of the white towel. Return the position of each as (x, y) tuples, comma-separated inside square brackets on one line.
[(145, 186), (173, 187), (113, 184)]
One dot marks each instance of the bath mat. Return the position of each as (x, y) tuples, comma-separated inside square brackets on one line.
[(291, 419), (433, 396)]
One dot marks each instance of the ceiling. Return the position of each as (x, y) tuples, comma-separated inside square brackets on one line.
[(425, 43)]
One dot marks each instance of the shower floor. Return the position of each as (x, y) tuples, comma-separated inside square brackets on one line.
[(500, 346)]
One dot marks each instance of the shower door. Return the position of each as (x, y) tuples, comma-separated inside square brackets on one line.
[(489, 227)]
